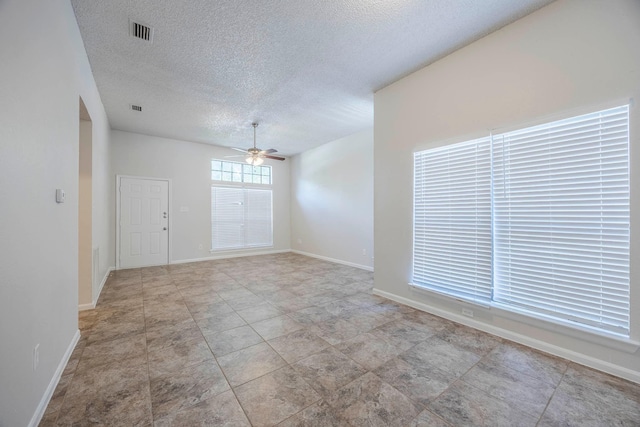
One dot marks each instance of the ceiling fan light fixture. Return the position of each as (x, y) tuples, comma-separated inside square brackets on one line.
[(254, 155), (254, 160)]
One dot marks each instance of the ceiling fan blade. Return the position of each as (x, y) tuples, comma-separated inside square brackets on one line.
[(238, 149), (269, 151), (273, 157), (228, 157)]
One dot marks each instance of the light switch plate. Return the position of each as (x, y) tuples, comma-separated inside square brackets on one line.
[(60, 195)]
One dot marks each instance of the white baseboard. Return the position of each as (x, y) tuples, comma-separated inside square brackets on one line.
[(104, 280), (337, 261), (44, 402), (579, 358), (92, 305), (231, 255)]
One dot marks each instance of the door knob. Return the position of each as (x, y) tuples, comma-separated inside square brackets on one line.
[(164, 228)]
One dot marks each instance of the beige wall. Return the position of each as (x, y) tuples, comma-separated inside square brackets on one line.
[(188, 165), (85, 190), (570, 57), (332, 200)]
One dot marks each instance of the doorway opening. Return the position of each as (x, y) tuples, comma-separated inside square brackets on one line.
[(85, 210)]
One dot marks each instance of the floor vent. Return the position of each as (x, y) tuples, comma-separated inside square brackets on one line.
[(141, 31)]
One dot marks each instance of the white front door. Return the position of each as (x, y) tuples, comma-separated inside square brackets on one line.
[(144, 222)]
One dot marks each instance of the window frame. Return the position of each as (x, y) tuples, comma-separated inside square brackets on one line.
[(242, 171), (246, 187), (510, 311)]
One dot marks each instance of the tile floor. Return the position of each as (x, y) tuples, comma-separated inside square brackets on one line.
[(294, 341)]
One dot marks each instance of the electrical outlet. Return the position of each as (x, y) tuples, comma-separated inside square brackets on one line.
[(36, 356), (364, 252), (299, 241), (467, 312)]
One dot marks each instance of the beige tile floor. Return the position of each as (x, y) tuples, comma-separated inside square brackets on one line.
[(293, 341)]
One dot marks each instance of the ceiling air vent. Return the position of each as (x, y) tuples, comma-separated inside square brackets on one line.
[(141, 31), (136, 107)]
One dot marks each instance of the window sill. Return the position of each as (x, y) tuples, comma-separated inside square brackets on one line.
[(235, 250), (450, 297), (574, 330)]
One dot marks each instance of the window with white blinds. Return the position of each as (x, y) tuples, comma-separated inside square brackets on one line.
[(240, 218), (452, 220), (559, 220)]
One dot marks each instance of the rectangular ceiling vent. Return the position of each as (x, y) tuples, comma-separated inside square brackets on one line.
[(141, 31), (136, 107)]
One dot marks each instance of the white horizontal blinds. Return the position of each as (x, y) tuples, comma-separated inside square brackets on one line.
[(561, 219), (259, 224), (227, 218), (240, 218), (452, 220)]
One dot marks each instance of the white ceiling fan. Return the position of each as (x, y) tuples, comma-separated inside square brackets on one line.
[(255, 156)]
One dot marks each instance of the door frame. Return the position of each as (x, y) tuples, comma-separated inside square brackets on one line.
[(118, 182)]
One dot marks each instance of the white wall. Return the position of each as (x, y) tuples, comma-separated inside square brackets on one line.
[(104, 201), (567, 58), (43, 72), (188, 165), (332, 200), (103, 197)]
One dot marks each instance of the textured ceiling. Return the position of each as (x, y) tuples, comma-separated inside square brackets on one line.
[(305, 70)]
